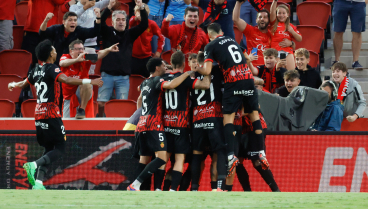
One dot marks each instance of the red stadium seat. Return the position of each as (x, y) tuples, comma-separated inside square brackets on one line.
[(313, 13), (312, 37), (7, 108), (5, 79), (125, 1), (313, 59), (134, 82), (18, 33), (118, 108), (326, 1), (167, 56), (283, 1), (268, 5), (28, 108), (21, 12), (238, 34), (15, 61)]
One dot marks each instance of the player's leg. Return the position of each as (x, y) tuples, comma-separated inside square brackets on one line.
[(177, 172), (229, 182), (229, 132), (159, 178), (243, 176), (258, 139), (196, 169), (151, 141), (143, 161)]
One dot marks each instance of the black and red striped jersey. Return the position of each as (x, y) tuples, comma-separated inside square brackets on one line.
[(227, 53), (151, 118), (44, 78), (176, 102), (207, 103)]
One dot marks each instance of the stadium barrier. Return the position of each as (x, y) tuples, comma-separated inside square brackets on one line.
[(102, 160)]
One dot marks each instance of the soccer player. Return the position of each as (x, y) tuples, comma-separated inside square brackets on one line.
[(150, 133), (207, 125), (50, 130), (238, 90), (176, 118)]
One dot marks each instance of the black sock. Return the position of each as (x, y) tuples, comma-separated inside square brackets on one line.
[(213, 184), (186, 179), (151, 168), (159, 178), (243, 177), (268, 178), (196, 170), (221, 164), (41, 173), (44, 160), (175, 177), (146, 184), (139, 169), (167, 185), (52, 155), (229, 138), (229, 187)]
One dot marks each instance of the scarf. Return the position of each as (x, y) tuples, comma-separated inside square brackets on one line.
[(258, 4), (341, 94), (182, 39), (212, 14), (270, 81)]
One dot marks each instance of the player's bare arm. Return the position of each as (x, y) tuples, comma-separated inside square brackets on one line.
[(205, 69), (139, 101), (240, 23), (75, 81), (177, 81), (21, 84)]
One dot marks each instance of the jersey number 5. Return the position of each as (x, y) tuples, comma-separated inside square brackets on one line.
[(41, 98), (235, 54)]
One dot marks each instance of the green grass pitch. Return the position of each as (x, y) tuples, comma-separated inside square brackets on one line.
[(122, 199)]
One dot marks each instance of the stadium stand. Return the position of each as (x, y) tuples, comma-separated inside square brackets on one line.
[(134, 81), (312, 37), (7, 108), (120, 108), (28, 108), (18, 32), (314, 13), (21, 11), (15, 62), (314, 59), (166, 56), (4, 92)]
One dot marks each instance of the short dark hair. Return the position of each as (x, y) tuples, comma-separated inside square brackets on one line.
[(214, 27), (200, 57), (291, 74), (43, 50), (177, 59), (77, 41), (270, 52), (153, 63), (69, 14), (192, 56), (191, 9), (339, 65)]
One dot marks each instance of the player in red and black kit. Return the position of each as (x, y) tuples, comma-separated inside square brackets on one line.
[(176, 116), (150, 134), (238, 90), (50, 130)]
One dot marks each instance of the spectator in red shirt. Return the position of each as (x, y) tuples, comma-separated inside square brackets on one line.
[(75, 65), (142, 50), (37, 11), (281, 28), (6, 24), (272, 71), (186, 37)]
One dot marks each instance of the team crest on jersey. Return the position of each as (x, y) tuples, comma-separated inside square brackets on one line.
[(232, 73), (162, 145), (57, 70), (64, 137)]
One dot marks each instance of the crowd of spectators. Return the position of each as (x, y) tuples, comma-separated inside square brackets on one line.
[(156, 26)]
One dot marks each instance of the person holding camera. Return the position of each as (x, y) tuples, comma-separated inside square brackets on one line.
[(76, 64)]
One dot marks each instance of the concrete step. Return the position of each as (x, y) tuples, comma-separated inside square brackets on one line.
[(365, 112), (348, 60), (366, 97), (348, 36), (347, 46), (350, 53), (353, 73)]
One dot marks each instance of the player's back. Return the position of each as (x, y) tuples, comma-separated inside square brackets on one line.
[(44, 78), (152, 110), (177, 101), (227, 53)]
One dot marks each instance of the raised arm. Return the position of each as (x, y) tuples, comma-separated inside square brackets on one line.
[(273, 11), (177, 81), (103, 53), (81, 10), (240, 23), (21, 84), (95, 31), (48, 17), (165, 28), (204, 84), (136, 31)]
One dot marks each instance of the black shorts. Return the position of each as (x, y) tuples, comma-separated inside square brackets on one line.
[(50, 132), (208, 131), (178, 141), (149, 142), (240, 93)]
